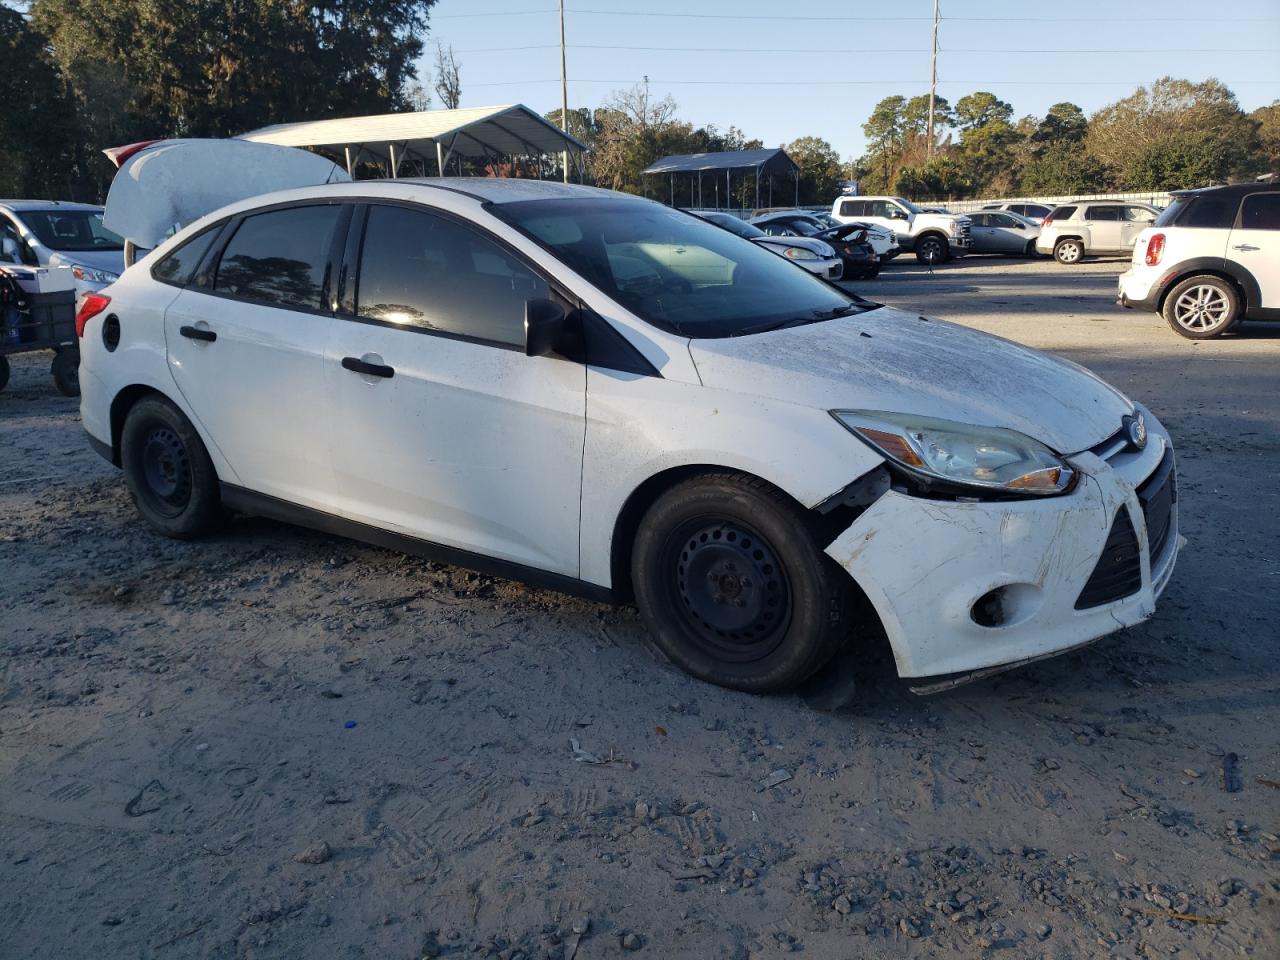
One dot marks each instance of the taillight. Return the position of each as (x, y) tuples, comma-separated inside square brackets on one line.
[(92, 305), (1155, 249), (1048, 222)]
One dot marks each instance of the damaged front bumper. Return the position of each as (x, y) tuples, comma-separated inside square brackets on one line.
[(967, 586)]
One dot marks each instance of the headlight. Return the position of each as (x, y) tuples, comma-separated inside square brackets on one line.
[(800, 253), (90, 275), (985, 458), (953, 228)]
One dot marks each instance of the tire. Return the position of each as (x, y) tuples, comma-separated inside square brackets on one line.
[(4, 372), (168, 470), (1030, 251), (932, 250), (1069, 251), (733, 586), (1201, 308), (66, 371)]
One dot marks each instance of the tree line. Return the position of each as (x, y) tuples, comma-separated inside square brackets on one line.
[(80, 75), (1171, 135)]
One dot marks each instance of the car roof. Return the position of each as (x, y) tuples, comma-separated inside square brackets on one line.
[(21, 206), (1229, 190), (500, 190)]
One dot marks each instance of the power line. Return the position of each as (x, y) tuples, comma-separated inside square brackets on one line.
[(851, 83), (879, 50), (650, 14)]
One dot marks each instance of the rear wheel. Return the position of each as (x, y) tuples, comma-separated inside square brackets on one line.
[(733, 586), (1068, 251), (1200, 308), (168, 470), (931, 250), (66, 371)]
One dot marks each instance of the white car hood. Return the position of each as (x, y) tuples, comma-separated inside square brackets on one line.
[(893, 361), (819, 247)]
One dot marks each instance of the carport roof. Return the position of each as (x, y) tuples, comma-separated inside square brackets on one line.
[(511, 129), (774, 160)]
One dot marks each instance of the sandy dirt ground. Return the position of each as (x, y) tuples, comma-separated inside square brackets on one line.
[(276, 744)]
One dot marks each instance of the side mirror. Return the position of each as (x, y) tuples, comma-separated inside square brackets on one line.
[(543, 326), (897, 213), (9, 251)]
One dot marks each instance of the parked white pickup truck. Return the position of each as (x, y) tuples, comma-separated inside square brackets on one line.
[(935, 237)]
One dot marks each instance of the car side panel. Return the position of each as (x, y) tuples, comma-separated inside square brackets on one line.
[(639, 427)]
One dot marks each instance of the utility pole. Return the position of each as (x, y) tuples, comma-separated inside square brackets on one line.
[(564, 94), (933, 82)]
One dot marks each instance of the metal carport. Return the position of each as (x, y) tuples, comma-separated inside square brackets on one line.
[(394, 139), (767, 161)]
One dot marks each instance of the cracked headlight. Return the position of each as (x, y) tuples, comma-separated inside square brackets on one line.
[(983, 459)]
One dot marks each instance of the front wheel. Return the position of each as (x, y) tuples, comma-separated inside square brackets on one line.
[(1068, 251), (733, 586), (1200, 308), (168, 470), (932, 250)]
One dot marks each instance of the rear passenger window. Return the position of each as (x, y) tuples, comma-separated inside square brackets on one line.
[(280, 257), (1064, 213), (853, 208), (1102, 213), (177, 267), (1213, 213), (1261, 211), (421, 270)]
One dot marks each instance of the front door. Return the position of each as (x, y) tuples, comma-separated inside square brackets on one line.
[(1136, 219), (246, 350), (1255, 244), (442, 427)]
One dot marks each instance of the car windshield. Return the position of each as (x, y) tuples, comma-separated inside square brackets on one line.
[(909, 205), (803, 227), (675, 270), (71, 229), (734, 225)]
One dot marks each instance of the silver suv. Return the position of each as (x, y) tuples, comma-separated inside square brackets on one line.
[(1092, 228)]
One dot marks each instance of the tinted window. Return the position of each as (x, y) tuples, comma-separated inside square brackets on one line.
[(1001, 220), (853, 208), (71, 230), (1208, 212), (280, 257), (178, 266), (801, 227), (421, 270), (1102, 213), (979, 219), (1261, 211), (1064, 213), (674, 270)]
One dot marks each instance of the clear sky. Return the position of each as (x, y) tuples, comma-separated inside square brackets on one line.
[(820, 69)]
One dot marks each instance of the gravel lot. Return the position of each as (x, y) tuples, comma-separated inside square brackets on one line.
[(277, 744)]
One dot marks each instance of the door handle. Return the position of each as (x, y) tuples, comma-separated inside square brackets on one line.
[(356, 365), (198, 333), (1244, 246)]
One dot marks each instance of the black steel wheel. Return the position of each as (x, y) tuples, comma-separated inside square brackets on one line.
[(932, 250), (168, 470), (733, 584), (66, 371)]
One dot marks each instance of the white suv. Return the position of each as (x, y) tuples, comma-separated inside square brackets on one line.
[(1211, 260), (1092, 228), (603, 395)]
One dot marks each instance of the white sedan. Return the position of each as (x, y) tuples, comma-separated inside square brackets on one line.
[(596, 393)]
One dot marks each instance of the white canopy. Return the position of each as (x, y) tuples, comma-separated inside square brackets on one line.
[(437, 135), (174, 182)]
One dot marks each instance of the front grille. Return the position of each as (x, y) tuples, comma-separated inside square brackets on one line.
[(1158, 494), (1118, 573)]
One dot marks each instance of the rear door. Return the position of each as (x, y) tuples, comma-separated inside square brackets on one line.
[(246, 344), (441, 427), (1255, 244), (1136, 219), (1104, 225)]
